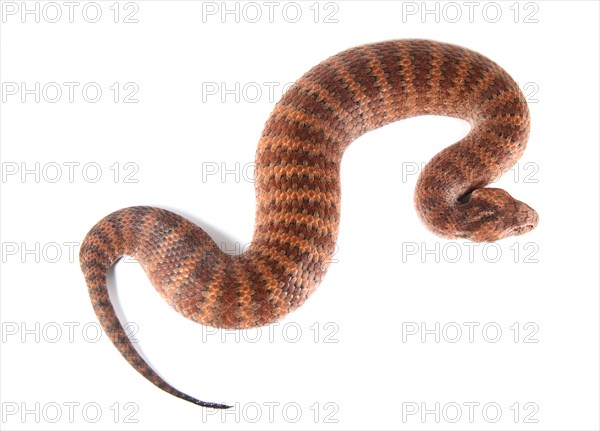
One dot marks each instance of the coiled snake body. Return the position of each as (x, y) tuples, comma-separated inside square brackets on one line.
[(298, 188)]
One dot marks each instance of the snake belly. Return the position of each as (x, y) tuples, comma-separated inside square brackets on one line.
[(297, 181)]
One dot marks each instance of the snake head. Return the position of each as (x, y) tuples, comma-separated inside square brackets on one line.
[(492, 214)]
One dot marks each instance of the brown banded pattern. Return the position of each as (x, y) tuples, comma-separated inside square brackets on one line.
[(298, 188)]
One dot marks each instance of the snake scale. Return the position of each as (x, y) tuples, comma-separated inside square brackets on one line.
[(297, 181)]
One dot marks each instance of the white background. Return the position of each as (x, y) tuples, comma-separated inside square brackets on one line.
[(346, 359)]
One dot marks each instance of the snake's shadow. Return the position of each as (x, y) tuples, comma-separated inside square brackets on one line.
[(225, 242)]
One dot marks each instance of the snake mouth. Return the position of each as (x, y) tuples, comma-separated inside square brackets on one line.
[(520, 230)]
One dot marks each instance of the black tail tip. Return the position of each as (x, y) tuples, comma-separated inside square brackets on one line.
[(204, 403), (213, 405)]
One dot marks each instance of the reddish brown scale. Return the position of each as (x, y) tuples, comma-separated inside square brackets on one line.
[(298, 188)]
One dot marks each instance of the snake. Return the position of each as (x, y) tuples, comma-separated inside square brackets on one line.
[(298, 194)]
